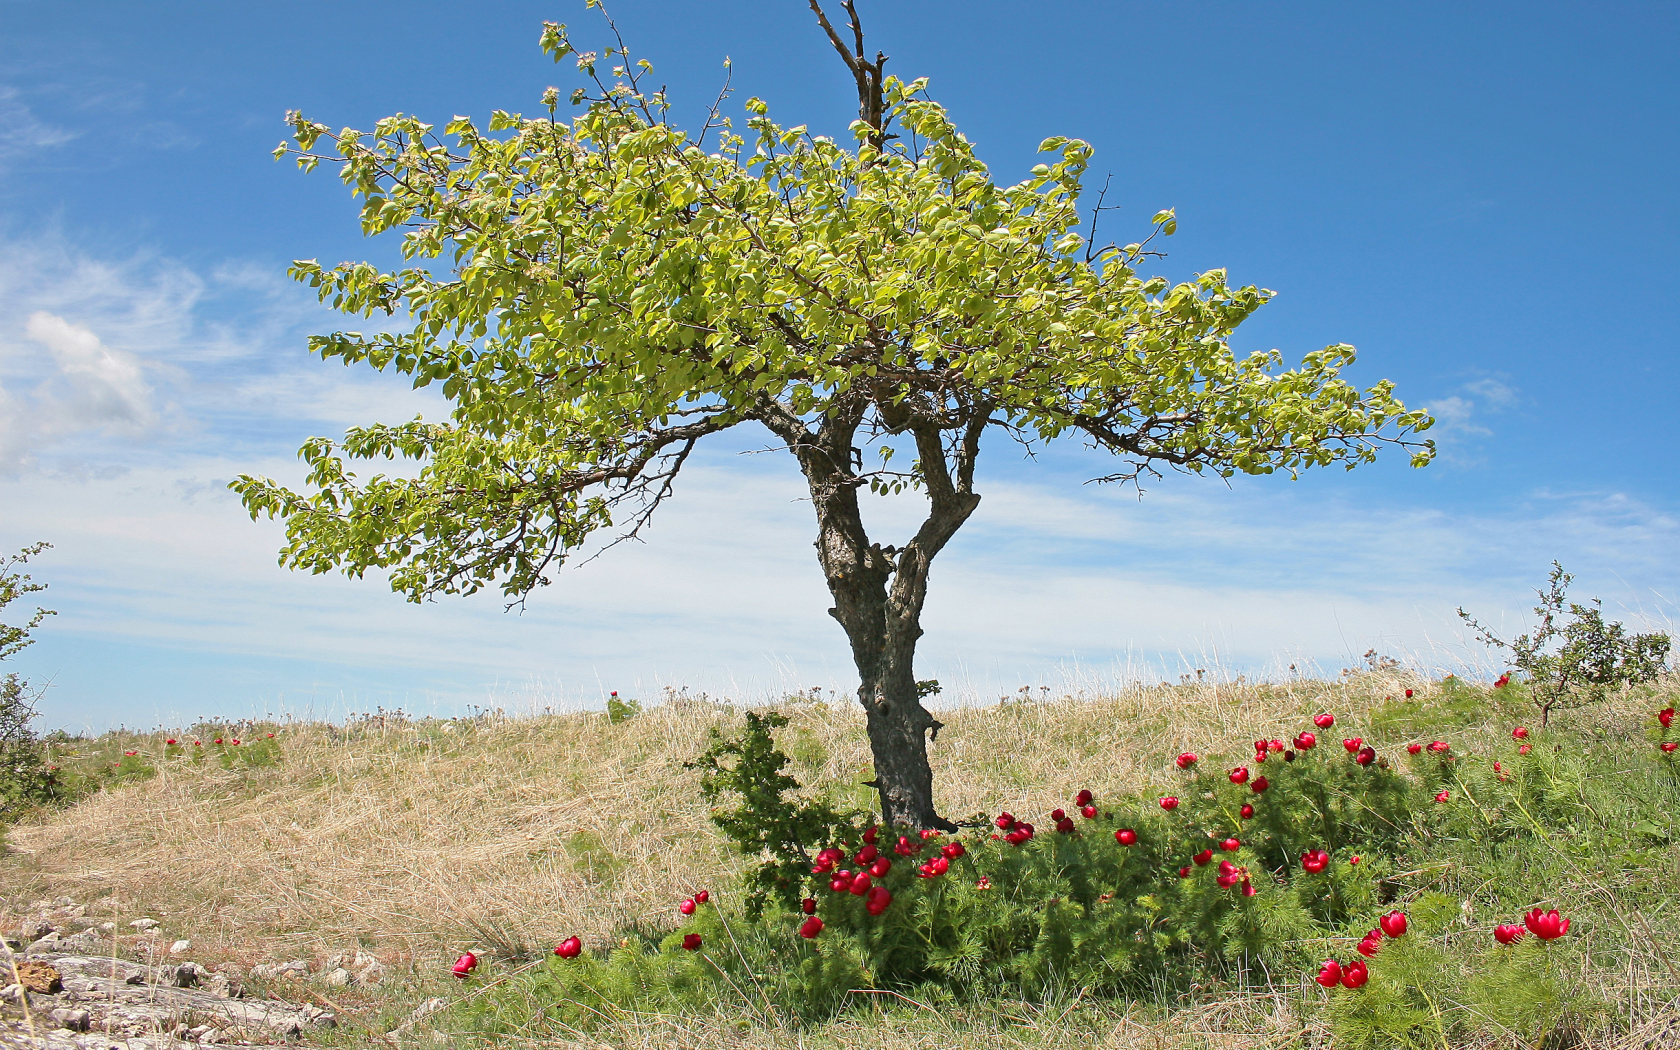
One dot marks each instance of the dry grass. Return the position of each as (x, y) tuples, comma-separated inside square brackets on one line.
[(414, 838)]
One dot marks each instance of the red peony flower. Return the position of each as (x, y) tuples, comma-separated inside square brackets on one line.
[(1169, 803), (1547, 925), (879, 898), (1525, 749), (1506, 934), (1408, 694), (1324, 721), (808, 905), (1239, 775), (1005, 821), (1064, 825), (691, 942), (1315, 861), (1440, 747), (1203, 857), (880, 868), (1230, 845), (1366, 756), (130, 754), (1274, 746), (860, 884), (1330, 974), (1412, 749), (1089, 812), (1259, 785), (931, 833), (1521, 732), (810, 927), (1353, 744), (1184, 872), (1306, 741), (1666, 717), (570, 948), (703, 896), (217, 740), (1057, 816), (1443, 796), (1369, 944), (840, 883), (1246, 811), (1126, 837), (1084, 798), (170, 741), (1393, 924), (686, 907), (1502, 681), (1356, 973), (907, 848), (1248, 889), (1353, 859), (1186, 760), (870, 834), (464, 965), (953, 850), (1669, 747), (865, 855)]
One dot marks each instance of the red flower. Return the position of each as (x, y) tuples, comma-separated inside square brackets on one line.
[(1369, 944), (570, 948), (1274, 746), (1084, 798), (866, 854), (686, 907), (464, 965), (810, 927), (1393, 924), (1005, 821), (703, 896), (1521, 732), (1353, 744), (880, 868), (1315, 861), (1306, 741), (1440, 747), (1239, 775), (130, 754), (870, 834), (1443, 796), (236, 743), (808, 905), (1064, 825), (170, 741), (1506, 934), (1666, 717), (1126, 837), (1356, 973), (1502, 681), (953, 850), (930, 833), (1186, 760), (879, 898), (1230, 845), (826, 860), (1366, 756), (1229, 874), (217, 740), (1169, 803), (933, 868), (691, 942), (1089, 812), (1669, 746), (1353, 860), (840, 883), (1324, 721), (1246, 811), (1547, 925), (1330, 974), (1184, 872), (1203, 857), (197, 744), (1057, 816), (907, 848), (1248, 889), (860, 884), (1524, 749), (1408, 694), (1412, 749), (1260, 784)]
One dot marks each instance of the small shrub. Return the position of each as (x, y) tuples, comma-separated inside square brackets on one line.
[(1569, 663)]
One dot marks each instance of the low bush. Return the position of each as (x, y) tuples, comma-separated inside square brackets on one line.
[(1411, 879)]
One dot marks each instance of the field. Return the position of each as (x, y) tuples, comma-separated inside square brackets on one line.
[(415, 840)]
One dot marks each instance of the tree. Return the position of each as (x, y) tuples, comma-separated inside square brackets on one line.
[(25, 779), (599, 294)]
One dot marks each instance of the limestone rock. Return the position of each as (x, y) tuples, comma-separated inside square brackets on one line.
[(38, 976)]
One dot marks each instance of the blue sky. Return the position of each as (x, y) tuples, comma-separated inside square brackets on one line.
[(1479, 197)]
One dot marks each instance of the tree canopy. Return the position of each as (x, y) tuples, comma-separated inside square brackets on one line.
[(597, 294)]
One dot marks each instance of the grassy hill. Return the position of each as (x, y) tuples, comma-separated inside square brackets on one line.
[(416, 839)]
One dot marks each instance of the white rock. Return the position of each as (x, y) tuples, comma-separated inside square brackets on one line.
[(339, 977), (180, 947)]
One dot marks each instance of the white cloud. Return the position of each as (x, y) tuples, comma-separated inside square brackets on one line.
[(107, 387), (21, 132)]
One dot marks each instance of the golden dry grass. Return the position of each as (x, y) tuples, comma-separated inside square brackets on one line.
[(413, 839)]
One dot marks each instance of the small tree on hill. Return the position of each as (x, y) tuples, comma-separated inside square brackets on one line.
[(24, 777), (597, 295)]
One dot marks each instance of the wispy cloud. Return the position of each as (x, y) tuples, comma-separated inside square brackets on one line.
[(21, 132)]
